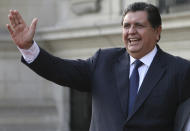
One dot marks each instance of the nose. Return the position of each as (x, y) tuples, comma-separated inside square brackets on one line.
[(132, 30)]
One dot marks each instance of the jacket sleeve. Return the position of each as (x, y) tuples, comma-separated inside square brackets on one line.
[(76, 74)]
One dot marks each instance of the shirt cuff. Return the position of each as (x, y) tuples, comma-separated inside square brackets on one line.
[(30, 54)]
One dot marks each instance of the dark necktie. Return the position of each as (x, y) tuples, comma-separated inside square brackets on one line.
[(134, 84)]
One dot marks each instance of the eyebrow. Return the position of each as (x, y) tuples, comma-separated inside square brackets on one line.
[(136, 23), (125, 24)]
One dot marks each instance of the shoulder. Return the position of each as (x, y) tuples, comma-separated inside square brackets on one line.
[(103, 52), (177, 62), (107, 55), (111, 52)]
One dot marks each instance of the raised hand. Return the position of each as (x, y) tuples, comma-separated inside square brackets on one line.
[(21, 34)]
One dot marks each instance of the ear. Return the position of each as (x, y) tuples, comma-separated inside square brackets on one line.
[(158, 32)]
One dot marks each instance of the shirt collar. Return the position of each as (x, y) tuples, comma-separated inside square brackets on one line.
[(147, 59)]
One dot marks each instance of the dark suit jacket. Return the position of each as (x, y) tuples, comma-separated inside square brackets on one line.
[(106, 76)]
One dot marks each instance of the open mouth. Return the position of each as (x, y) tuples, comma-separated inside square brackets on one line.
[(133, 40)]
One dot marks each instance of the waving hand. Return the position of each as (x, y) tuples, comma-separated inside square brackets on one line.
[(22, 35)]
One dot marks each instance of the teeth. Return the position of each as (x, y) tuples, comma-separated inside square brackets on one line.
[(133, 39)]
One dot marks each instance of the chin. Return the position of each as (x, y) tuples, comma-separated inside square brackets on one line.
[(133, 49)]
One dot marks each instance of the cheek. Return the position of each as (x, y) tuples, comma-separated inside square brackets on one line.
[(147, 37), (125, 35)]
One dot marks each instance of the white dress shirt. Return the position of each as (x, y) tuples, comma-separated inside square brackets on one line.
[(147, 60), (30, 54)]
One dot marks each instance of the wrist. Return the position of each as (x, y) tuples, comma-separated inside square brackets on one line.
[(26, 46)]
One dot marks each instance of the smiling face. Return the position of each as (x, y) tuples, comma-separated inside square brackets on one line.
[(138, 35)]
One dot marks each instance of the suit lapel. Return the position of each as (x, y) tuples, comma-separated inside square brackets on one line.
[(121, 69), (154, 74)]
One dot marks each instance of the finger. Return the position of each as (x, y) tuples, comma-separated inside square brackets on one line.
[(19, 17), (15, 12), (10, 29), (33, 25), (11, 20), (13, 16)]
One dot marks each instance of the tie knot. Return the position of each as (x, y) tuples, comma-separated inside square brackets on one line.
[(138, 63)]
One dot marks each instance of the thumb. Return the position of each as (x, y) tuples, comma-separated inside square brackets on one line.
[(33, 25)]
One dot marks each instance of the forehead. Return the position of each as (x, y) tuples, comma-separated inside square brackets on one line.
[(137, 16)]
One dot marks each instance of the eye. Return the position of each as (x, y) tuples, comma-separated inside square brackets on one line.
[(127, 26), (139, 26)]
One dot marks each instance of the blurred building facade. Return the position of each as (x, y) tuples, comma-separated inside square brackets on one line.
[(70, 29)]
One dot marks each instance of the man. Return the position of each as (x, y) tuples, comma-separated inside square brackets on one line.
[(124, 97)]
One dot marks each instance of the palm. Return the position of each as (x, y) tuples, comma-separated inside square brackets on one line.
[(21, 34)]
